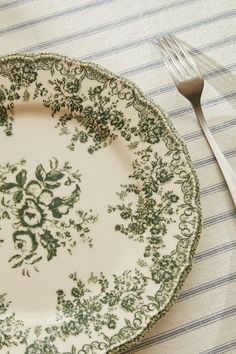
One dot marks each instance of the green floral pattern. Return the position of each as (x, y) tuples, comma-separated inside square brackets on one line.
[(43, 219), (158, 207), (83, 311), (8, 95), (11, 330), (147, 219), (97, 113)]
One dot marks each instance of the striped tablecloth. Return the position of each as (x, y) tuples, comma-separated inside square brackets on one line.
[(117, 34)]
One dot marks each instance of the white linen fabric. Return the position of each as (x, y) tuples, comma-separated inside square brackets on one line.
[(117, 34)]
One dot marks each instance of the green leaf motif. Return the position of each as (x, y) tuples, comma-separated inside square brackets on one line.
[(36, 260), (51, 185), (58, 207), (18, 196), (7, 186), (40, 173), (55, 203), (16, 256), (54, 175), (16, 265), (50, 244), (21, 178)]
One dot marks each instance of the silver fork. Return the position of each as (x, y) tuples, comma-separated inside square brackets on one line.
[(190, 82)]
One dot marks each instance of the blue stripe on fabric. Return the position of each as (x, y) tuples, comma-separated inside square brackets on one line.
[(188, 327), (53, 16), (109, 25), (207, 103), (214, 251), (211, 74), (201, 288), (115, 24), (15, 3), (211, 159), (194, 52), (206, 47), (218, 187), (138, 42), (219, 218), (214, 129), (223, 348)]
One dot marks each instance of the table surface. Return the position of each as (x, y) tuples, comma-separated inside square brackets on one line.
[(117, 35)]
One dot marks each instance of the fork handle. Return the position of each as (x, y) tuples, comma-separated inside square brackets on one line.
[(226, 169)]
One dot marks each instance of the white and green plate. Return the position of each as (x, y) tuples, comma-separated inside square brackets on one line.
[(99, 209)]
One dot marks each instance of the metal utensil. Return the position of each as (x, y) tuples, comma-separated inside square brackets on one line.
[(189, 82)]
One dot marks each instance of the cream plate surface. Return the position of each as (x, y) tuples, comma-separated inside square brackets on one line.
[(99, 208)]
